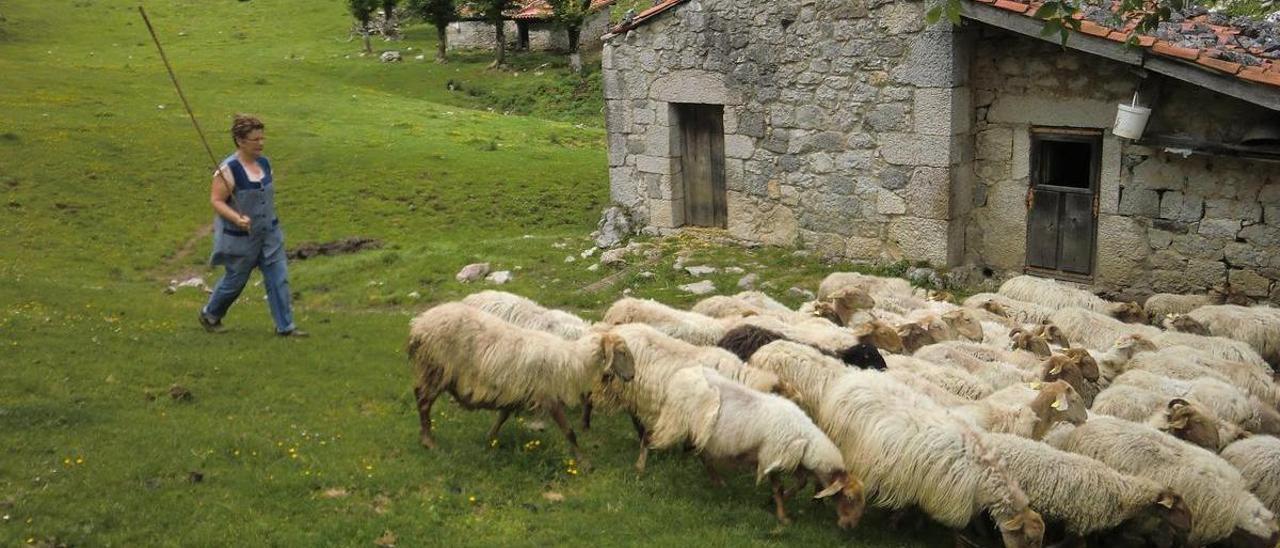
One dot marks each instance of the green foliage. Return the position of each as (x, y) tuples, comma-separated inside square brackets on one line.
[(490, 10), (362, 10), (435, 12)]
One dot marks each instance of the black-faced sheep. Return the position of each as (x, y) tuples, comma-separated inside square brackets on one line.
[(488, 363), (727, 421)]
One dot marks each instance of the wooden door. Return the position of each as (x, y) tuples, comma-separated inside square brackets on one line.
[(1062, 201), (702, 164)]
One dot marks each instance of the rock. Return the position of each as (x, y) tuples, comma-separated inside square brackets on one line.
[(922, 276), (615, 257), (700, 270), (420, 57), (703, 287), (415, 295), (195, 282), (559, 245), (500, 277), (646, 274), (593, 267), (390, 57), (570, 258), (613, 228), (734, 270), (588, 253), (801, 293), (472, 272), (748, 282)]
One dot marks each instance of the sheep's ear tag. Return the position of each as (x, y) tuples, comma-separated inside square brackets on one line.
[(1035, 385), (1166, 501), (1061, 403), (1057, 368)]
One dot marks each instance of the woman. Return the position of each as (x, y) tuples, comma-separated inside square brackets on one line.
[(246, 231)]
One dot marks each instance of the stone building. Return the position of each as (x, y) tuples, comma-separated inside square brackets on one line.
[(530, 27), (852, 128)]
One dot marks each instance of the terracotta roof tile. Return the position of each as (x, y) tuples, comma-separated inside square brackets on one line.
[(1118, 36), (1089, 27), (1224, 66), (1259, 75), (1165, 48), (1012, 6), (540, 9)]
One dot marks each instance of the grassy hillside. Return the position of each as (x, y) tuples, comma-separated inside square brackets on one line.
[(103, 196)]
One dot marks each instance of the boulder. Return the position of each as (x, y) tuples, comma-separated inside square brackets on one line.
[(613, 228), (472, 272), (500, 277), (704, 287), (390, 57)]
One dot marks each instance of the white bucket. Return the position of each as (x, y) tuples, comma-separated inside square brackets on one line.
[(1131, 120)]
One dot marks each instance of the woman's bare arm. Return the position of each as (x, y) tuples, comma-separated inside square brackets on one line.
[(219, 193)]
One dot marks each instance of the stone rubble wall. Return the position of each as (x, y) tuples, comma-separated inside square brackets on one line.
[(1167, 223), (543, 35), (843, 119)]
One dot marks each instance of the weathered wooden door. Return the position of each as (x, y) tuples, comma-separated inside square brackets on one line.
[(702, 164), (1062, 203)]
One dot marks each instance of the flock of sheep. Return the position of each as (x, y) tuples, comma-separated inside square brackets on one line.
[(1052, 412)]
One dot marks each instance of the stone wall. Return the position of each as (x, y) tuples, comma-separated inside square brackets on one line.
[(1166, 222), (543, 35), (844, 121)]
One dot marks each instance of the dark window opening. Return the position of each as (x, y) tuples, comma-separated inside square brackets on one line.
[(1066, 163)]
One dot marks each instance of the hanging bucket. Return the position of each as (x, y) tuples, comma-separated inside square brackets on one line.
[(1131, 119)]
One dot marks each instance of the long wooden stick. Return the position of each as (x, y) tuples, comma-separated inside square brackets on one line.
[(183, 96)]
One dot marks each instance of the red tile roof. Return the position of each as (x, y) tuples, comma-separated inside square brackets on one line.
[(540, 9), (1246, 49)]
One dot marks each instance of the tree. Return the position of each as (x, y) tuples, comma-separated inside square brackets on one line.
[(389, 21), (362, 10), (492, 11), (570, 14), (439, 13)]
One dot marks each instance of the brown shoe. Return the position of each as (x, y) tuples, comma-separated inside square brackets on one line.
[(294, 333), (209, 324)]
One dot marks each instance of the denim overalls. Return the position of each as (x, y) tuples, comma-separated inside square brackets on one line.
[(261, 246)]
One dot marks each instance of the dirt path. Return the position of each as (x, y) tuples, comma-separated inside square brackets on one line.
[(169, 269)]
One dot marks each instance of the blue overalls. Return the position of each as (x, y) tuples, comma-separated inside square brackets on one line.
[(261, 246)]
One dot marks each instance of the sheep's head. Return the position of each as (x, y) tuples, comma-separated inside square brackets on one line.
[(863, 356), (1024, 530), (852, 502), (618, 360), (1128, 312), (1185, 324), (1054, 334), (1084, 360), (1165, 523), (1060, 367), (964, 324), (852, 298), (1192, 423), (994, 308), (880, 334), (914, 336), (827, 311), (1026, 340), (1057, 402), (1131, 345)]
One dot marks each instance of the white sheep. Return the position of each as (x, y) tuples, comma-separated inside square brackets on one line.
[(1010, 309), (1179, 417), (1226, 401), (907, 449), (1028, 410), (1161, 305), (723, 306), (1090, 498), (1220, 347), (1097, 331), (1214, 491), (728, 421), (1257, 326), (876, 286), (1053, 294), (486, 362), (1114, 361), (1181, 362), (687, 326), (952, 380), (761, 300), (657, 357), (1258, 460), (526, 313)]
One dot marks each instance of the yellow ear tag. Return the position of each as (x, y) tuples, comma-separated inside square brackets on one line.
[(1035, 385), (1061, 404)]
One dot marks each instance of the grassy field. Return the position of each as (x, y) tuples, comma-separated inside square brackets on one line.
[(103, 196)]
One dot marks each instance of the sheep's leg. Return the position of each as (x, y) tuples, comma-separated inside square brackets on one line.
[(503, 415), (779, 507), (804, 480), (586, 412), (425, 396), (644, 443), (711, 471), (557, 412)]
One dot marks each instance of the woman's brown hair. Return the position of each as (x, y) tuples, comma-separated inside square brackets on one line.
[(242, 125)]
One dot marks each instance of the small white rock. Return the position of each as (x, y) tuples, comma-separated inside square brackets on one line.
[(570, 258), (500, 277), (734, 270), (472, 272), (589, 252), (700, 270), (415, 295), (593, 267), (701, 288), (646, 274)]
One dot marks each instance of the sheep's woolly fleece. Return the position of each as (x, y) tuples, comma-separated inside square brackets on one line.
[(528, 314), (687, 326), (1258, 326), (1258, 460)]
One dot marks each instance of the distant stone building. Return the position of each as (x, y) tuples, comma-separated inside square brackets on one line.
[(852, 128), (529, 27)]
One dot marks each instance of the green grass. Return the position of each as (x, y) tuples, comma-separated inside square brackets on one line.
[(312, 441)]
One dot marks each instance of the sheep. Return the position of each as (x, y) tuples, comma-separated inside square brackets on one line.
[(1000, 368), (1215, 492), (487, 363), (820, 334), (1012, 309), (1091, 499), (744, 340), (1220, 347), (908, 450), (1162, 305), (1258, 460), (1180, 362), (722, 306), (1178, 417), (1183, 323), (876, 286), (690, 327), (931, 388), (1258, 326), (762, 301), (1097, 331), (1115, 360), (1021, 339), (964, 324), (955, 381), (1025, 411), (840, 306), (726, 420), (657, 357), (1052, 294), (1226, 401), (880, 334), (528, 314)]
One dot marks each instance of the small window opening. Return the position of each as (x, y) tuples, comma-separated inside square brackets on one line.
[(1066, 163)]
